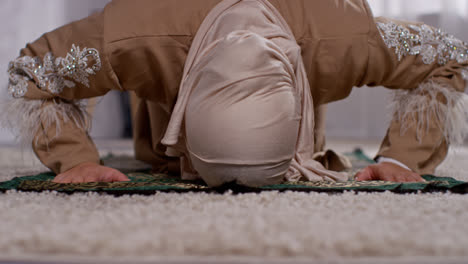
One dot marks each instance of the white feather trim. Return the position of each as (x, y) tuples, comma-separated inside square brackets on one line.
[(23, 117), (433, 101)]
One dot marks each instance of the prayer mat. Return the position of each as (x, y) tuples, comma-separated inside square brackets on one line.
[(145, 182)]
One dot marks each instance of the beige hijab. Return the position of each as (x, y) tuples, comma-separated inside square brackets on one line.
[(244, 111)]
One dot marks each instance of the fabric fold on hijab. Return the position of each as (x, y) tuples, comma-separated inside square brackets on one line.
[(244, 111)]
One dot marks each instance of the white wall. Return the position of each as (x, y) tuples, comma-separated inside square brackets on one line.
[(20, 22)]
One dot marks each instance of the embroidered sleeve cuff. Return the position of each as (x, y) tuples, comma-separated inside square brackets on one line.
[(53, 74)]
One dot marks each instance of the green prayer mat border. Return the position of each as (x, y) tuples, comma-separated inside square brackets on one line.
[(143, 182)]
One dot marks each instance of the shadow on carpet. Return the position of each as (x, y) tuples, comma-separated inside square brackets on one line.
[(145, 182)]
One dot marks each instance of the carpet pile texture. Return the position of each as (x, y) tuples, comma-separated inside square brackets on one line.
[(267, 225)]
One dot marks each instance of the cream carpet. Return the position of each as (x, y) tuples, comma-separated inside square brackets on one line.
[(269, 227)]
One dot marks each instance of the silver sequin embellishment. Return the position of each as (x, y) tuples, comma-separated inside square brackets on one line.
[(53, 74), (432, 44), (465, 74)]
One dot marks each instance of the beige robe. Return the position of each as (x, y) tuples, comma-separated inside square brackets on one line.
[(141, 47)]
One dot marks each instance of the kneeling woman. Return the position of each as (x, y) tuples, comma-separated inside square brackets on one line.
[(227, 91)]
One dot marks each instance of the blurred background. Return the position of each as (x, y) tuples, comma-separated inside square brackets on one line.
[(362, 116)]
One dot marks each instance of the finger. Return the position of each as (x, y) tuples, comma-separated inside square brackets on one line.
[(121, 177), (83, 179), (392, 178), (413, 178), (106, 177), (58, 178), (364, 175), (117, 176), (410, 178), (68, 178), (405, 177), (401, 177), (62, 179), (74, 180), (112, 175), (78, 179), (417, 178)]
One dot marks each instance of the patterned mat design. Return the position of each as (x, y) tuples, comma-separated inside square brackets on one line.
[(145, 182)]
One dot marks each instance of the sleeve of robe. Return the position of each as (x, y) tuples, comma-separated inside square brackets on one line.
[(48, 86), (428, 69)]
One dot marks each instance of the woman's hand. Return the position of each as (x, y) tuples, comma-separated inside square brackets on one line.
[(386, 171), (90, 172)]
